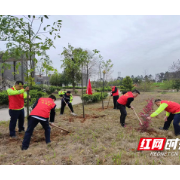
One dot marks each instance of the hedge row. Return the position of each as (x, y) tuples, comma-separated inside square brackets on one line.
[(94, 97), (105, 89)]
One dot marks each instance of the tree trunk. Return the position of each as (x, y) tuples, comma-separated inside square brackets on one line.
[(87, 75), (82, 92)]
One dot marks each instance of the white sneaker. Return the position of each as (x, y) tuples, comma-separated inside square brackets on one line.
[(73, 114)]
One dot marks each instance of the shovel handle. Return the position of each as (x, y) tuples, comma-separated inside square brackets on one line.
[(137, 116), (59, 128)]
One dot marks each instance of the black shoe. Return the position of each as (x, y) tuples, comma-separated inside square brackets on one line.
[(13, 137), (23, 148), (161, 128), (21, 131), (122, 124)]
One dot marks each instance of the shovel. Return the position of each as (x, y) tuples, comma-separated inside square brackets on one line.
[(137, 116), (59, 128), (69, 108)]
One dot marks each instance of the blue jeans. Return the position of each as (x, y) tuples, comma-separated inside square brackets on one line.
[(176, 124), (32, 123), (16, 115)]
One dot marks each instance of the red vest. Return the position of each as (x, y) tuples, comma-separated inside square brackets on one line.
[(116, 93), (43, 108), (123, 99), (173, 107), (16, 101)]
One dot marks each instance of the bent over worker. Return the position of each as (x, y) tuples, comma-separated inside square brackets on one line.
[(42, 109), (67, 99), (172, 112), (125, 101), (115, 94), (16, 96)]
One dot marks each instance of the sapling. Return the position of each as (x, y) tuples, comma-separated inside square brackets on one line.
[(147, 110)]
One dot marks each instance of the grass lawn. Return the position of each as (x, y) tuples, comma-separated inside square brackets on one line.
[(97, 139)]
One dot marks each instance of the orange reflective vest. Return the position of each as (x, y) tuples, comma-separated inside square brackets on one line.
[(116, 93), (16, 101), (123, 99), (173, 107), (43, 108)]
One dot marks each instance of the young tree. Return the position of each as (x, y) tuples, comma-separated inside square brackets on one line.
[(25, 40), (72, 62), (127, 84)]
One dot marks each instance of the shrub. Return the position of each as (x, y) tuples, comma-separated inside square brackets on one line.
[(34, 96), (147, 112), (3, 98), (105, 89), (145, 86), (94, 97)]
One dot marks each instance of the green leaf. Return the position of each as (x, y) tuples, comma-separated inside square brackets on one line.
[(41, 19), (59, 20), (46, 16), (34, 16), (29, 16)]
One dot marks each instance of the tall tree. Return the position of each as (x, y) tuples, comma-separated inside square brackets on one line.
[(72, 62), (26, 41)]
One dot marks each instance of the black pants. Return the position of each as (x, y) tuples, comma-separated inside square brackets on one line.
[(123, 112), (16, 115), (168, 122), (176, 122), (115, 98), (63, 106), (32, 123)]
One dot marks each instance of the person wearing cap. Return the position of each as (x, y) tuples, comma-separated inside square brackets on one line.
[(67, 99), (16, 96), (115, 94)]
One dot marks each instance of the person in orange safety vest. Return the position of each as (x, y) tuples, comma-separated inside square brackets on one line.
[(172, 112), (115, 94), (125, 101), (42, 109), (16, 96)]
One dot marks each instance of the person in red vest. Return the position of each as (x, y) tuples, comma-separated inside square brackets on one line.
[(115, 94), (125, 100), (172, 112), (42, 109), (16, 96)]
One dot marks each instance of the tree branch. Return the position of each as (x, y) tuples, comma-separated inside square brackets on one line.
[(27, 18)]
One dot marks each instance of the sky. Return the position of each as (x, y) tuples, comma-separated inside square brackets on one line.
[(135, 44)]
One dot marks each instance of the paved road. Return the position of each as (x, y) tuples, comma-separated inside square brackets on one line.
[(4, 113)]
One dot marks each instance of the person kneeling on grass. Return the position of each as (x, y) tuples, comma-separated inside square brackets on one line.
[(172, 112), (125, 100), (66, 100), (40, 114)]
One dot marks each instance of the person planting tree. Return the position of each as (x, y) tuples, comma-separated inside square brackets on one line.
[(42, 109), (66, 100), (125, 101), (16, 96), (172, 112), (115, 94)]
